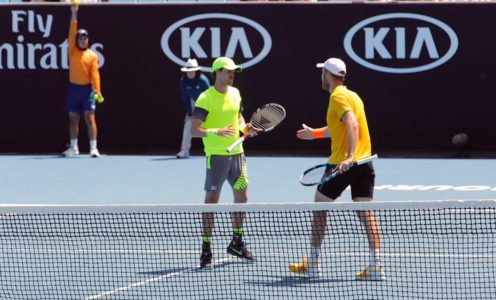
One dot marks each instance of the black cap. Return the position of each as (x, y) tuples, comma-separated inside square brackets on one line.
[(82, 32)]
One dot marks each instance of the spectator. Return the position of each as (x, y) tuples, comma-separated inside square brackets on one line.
[(193, 83)]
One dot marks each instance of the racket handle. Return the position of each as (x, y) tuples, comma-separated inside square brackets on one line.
[(236, 144), (366, 160)]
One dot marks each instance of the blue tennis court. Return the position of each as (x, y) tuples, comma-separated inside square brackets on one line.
[(45, 179), (130, 254)]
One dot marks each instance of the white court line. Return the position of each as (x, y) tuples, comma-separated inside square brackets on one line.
[(409, 254), (102, 251), (145, 282)]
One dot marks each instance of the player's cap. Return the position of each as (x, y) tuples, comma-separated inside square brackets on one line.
[(82, 32), (191, 66), (225, 63), (334, 65)]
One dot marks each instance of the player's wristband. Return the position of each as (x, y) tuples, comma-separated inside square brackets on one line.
[(318, 133), (211, 131)]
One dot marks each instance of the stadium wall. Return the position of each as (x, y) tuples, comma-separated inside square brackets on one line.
[(424, 71)]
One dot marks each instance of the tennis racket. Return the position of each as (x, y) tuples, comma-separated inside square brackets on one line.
[(318, 175), (263, 119)]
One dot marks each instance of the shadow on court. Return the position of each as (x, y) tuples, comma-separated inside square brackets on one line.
[(291, 281)]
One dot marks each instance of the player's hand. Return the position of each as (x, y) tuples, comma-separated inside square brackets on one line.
[(344, 166), (97, 97), (227, 131), (306, 133), (252, 130), (75, 6)]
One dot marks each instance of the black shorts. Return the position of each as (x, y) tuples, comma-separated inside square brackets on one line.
[(360, 178)]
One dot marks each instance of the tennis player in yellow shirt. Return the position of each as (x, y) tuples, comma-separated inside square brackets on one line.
[(84, 86), (218, 120), (350, 141)]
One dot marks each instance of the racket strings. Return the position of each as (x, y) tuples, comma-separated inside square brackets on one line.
[(268, 117), (318, 174), (315, 176)]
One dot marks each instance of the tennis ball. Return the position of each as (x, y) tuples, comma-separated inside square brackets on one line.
[(99, 98), (76, 3), (460, 139)]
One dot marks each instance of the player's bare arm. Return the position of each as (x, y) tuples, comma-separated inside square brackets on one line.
[(352, 130), (198, 131)]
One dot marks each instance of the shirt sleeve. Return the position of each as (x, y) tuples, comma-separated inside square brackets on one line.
[(340, 104), (202, 102), (95, 75), (71, 39), (200, 113)]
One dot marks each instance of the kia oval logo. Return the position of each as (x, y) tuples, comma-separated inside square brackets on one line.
[(208, 36), (401, 43)]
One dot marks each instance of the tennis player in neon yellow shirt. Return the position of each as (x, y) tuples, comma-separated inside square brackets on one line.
[(217, 119), (350, 141)]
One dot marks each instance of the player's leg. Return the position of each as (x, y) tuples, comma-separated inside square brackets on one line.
[(89, 107), (237, 246), (367, 218), (374, 271), (240, 197), (90, 118), (362, 190), (327, 192), (238, 178), (73, 134), (74, 125), (208, 218), (73, 107), (310, 265), (217, 170)]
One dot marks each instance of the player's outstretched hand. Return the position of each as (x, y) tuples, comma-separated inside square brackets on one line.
[(306, 133)]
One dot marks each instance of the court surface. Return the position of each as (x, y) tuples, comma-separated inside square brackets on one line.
[(45, 179), (128, 180)]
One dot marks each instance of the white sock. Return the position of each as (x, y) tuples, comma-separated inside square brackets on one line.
[(375, 258), (92, 144), (313, 257), (73, 144)]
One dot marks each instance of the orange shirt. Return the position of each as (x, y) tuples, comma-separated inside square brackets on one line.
[(83, 64), (343, 100)]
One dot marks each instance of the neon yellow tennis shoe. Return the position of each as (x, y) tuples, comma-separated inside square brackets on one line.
[(305, 268), (372, 273)]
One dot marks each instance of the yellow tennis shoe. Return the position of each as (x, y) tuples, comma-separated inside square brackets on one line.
[(373, 273), (305, 268)]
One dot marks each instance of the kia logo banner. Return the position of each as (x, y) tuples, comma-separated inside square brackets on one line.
[(201, 36), (395, 38)]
